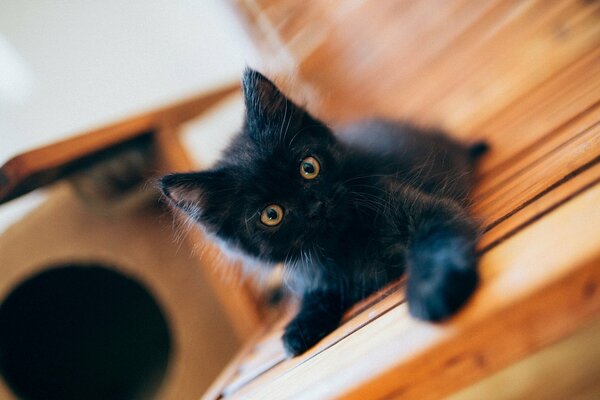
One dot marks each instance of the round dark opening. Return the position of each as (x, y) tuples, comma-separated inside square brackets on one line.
[(82, 332)]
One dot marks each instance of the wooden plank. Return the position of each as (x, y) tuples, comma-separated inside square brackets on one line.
[(550, 143), (580, 152), (545, 375), (522, 217), (531, 121), (479, 57), (270, 353), (237, 297), (316, 35), (33, 169), (533, 297), (533, 47)]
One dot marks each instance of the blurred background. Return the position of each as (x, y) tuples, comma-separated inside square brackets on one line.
[(67, 67), (106, 294)]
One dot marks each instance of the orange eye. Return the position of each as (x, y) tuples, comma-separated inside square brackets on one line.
[(310, 168), (271, 215)]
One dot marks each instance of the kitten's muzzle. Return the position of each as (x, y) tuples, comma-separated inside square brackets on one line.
[(317, 210)]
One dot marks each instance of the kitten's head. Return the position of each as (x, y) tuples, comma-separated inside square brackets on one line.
[(277, 193)]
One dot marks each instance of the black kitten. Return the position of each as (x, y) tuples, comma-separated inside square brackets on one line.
[(346, 213)]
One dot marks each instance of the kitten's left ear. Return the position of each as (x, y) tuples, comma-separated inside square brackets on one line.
[(262, 97), (195, 189)]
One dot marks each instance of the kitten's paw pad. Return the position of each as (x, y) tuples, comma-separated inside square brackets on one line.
[(443, 278), (301, 335)]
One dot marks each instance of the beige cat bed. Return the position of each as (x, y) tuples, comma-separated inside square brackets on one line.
[(138, 247)]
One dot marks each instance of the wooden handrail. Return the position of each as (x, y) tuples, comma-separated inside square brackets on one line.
[(36, 168)]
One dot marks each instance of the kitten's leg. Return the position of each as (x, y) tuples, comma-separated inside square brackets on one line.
[(441, 259), (320, 313)]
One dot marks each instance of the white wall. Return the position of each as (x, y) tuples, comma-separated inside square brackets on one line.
[(68, 66), (91, 62)]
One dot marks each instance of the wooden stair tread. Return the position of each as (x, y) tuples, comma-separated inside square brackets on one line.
[(528, 213)]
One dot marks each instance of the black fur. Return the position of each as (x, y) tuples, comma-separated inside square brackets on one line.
[(388, 198)]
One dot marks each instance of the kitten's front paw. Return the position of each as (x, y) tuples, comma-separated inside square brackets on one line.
[(301, 334), (442, 277)]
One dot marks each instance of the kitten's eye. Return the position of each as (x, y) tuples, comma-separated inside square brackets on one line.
[(271, 215), (310, 168)]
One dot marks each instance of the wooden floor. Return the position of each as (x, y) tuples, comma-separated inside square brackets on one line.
[(523, 75)]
